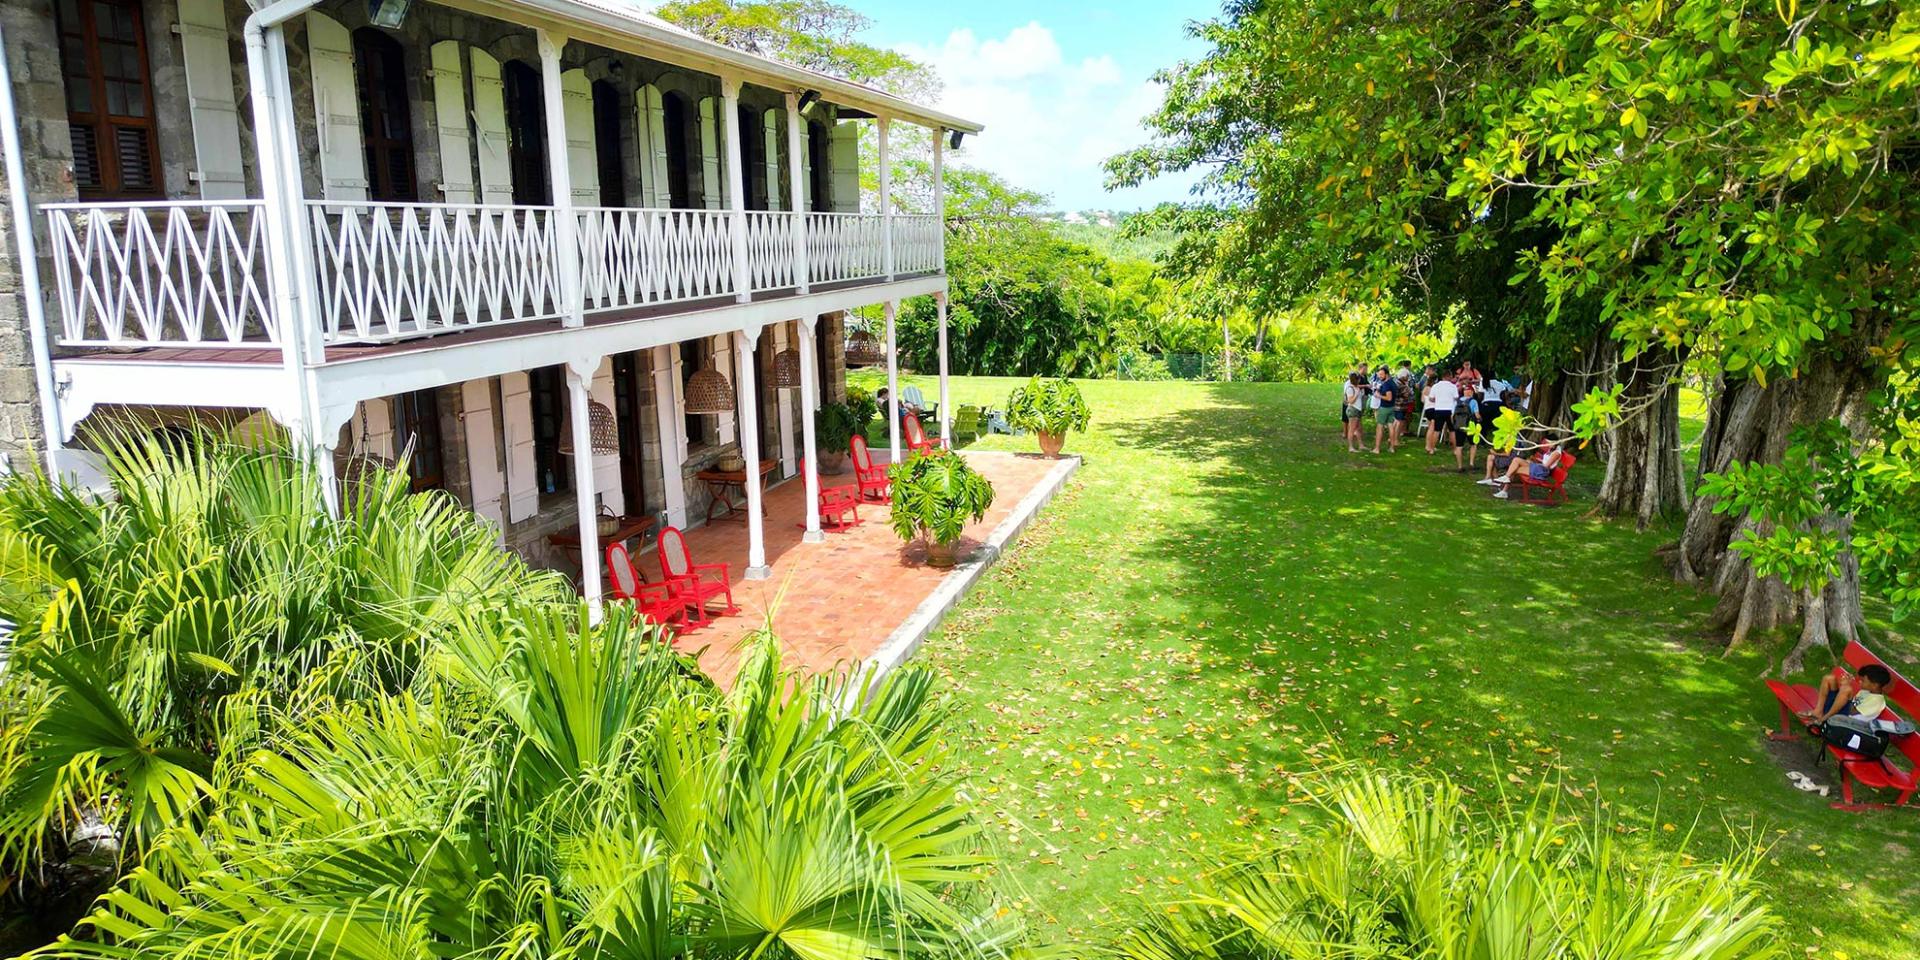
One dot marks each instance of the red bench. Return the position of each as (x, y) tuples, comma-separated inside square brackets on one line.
[(1879, 774), (1554, 487)]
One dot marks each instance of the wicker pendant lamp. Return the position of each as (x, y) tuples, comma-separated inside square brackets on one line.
[(602, 432), (863, 350), (709, 392), (786, 369)]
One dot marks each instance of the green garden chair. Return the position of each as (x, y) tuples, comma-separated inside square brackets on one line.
[(966, 424)]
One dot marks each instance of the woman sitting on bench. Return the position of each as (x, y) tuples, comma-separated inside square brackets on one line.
[(1869, 697), (1538, 468)]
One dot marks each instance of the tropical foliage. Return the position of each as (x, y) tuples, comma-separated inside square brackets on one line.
[(935, 495), (1403, 867), (836, 425), (1048, 406)]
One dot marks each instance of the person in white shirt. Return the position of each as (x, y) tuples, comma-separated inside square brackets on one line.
[(1493, 395), (1442, 395)]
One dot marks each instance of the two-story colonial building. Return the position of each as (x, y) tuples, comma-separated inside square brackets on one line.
[(566, 254)]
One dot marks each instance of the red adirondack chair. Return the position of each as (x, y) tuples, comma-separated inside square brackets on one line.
[(1554, 487), (916, 437), (693, 584), (870, 478), (654, 602), (839, 504)]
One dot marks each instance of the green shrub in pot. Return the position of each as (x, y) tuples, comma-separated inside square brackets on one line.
[(1049, 408), (834, 427), (935, 496)]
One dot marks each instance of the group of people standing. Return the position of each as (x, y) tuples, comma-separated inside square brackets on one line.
[(1447, 403)]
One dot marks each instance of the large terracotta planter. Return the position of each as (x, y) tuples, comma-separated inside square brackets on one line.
[(939, 555), (833, 463), (1050, 443)]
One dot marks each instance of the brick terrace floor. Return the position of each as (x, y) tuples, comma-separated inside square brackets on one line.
[(838, 601)]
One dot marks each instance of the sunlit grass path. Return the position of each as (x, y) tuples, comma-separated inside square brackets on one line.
[(1225, 599)]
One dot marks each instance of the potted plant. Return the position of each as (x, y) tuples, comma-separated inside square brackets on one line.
[(1049, 408), (833, 427), (935, 496)]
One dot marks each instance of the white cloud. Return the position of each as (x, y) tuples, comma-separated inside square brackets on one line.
[(1050, 121)]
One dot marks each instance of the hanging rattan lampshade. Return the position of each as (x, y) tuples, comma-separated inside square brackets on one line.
[(786, 369), (709, 392), (864, 351), (601, 428)]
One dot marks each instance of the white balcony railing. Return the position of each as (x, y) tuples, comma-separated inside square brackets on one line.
[(632, 257), (916, 243), (182, 273), (390, 270), (844, 246), (192, 273)]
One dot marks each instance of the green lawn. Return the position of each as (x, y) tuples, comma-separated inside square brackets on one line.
[(1225, 600)]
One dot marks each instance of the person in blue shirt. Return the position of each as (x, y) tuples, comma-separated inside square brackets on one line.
[(1386, 405)]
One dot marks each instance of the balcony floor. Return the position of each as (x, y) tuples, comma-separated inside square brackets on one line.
[(835, 602)]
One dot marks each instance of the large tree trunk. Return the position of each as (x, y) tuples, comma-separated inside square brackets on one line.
[(1748, 423), (1644, 477)]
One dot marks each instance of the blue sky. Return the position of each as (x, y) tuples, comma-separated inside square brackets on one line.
[(1060, 86)]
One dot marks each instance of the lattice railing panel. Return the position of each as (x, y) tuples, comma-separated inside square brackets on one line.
[(770, 255), (632, 256), (916, 244), (137, 274), (389, 270), (844, 246)]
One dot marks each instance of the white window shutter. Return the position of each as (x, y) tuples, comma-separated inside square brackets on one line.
[(650, 121), (712, 187), (606, 470), (523, 486), (806, 166), (785, 334), (490, 120), (679, 380), (583, 162), (723, 362), (374, 431), (336, 109), (844, 151), (450, 118), (664, 365), (483, 450), (216, 117), (775, 197)]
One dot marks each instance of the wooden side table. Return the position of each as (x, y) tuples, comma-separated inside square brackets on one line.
[(630, 527), (729, 489)]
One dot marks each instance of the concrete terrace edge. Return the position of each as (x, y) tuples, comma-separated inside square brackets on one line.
[(906, 638)]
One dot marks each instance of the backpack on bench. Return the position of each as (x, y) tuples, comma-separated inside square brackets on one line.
[(1866, 737)]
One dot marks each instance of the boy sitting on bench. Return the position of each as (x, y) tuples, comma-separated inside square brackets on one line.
[(1869, 698)]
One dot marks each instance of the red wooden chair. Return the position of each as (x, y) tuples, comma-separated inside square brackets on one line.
[(870, 479), (692, 583), (654, 602), (916, 437), (839, 504), (1554, 487)]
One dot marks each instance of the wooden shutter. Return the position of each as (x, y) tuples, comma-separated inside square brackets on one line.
[(583, 159), (523, 482), (664, 363), (450, 119), (770, 121), (650, 118), (490, 120), (844, 149), (109, 94), (336, 109), (483, 450), (723, 362), (784, 335), (205, 53), (606, 470), (678, 362), (712, 186), (806, 166)]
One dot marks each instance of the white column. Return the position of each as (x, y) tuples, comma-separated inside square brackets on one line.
[(796, 188), (893, 386), (743, 360), (886, 199), (946, 410), (810, 402), (939, 210), (560, 184), (326, 476), (579, 380), (736, 188)]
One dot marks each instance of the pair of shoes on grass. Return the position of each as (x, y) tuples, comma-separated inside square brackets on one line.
[(1486, 482), (1803, 782)]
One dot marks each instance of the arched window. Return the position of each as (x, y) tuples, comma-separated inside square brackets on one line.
[(606, 144), (103, 57), (676, 117), (386, 123), (820, 157), (526, 134)]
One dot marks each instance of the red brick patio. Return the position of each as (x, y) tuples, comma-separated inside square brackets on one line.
[(838, 601)]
